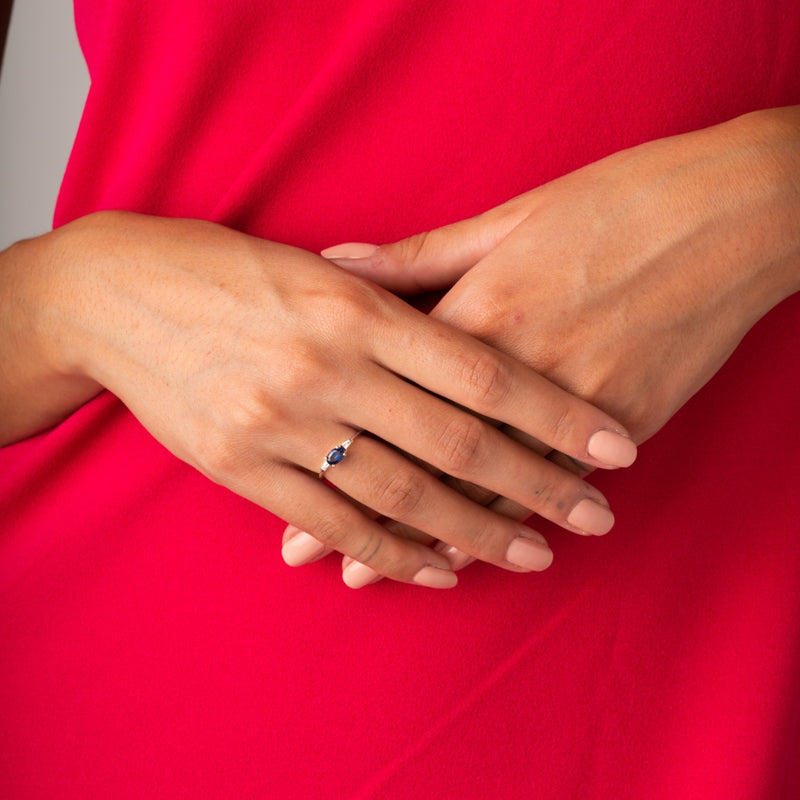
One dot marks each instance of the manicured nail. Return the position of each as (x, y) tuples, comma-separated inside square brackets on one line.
[(458, 558), (530, 551), (349, 251), (436, 578), (355, 575), (591, 517), (301, 549), (612, 448)]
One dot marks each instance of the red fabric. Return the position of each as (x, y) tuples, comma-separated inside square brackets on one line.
[(154, 644)]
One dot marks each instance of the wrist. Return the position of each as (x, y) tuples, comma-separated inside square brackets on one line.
[(37, 389), (770, 141)]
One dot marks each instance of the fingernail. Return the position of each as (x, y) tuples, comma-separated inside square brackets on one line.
[(612, 448), (530, 551), (591, 517), (349, 251), (355, 575), (301, 549), (436, 578), (458, 558)]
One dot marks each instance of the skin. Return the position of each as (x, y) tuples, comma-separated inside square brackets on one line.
[(250, 360), (628, 282)]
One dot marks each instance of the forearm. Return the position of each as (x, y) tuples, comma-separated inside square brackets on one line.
[(773, 137), (36, 391)]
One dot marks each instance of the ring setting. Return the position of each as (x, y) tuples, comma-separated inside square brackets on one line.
[(336, 456)]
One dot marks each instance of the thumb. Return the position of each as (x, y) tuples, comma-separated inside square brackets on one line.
[(432, 260)]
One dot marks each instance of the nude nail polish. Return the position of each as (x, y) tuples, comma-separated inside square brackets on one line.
[(458, 558), (301, 549), (349, 251), (355, 575), (529, 553), (591, 517), (612, 448), (436, 578)]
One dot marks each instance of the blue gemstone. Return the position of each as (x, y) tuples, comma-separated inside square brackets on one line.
[(335, 455)]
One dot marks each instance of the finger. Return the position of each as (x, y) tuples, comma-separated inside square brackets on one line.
[(383, 479), (569, 463), (363, 575), (465, 447), (432, 260), (367, 575), (458, 558), (485, 496), (500, 505), (333, 520), (300, 547), (467, 372)]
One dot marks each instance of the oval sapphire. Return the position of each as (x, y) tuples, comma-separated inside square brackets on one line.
[(335, 455)]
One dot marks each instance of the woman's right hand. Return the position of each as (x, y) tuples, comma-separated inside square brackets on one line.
[(251, 360)]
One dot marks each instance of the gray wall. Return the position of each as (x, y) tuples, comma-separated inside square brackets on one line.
[(42, 90)]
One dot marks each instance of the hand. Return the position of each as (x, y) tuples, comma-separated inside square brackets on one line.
[(628, 282), (251, 360)]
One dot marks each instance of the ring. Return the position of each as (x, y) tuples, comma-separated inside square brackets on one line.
[(336, 456)]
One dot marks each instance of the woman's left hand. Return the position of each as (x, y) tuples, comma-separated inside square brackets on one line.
[(630, 281)]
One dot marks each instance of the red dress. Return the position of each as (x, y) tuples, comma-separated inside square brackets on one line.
[(153, 643)]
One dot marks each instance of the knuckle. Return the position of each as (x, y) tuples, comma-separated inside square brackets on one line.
[(332, 530), (485, 536), (488, 379), (301, 368), (216, 455), (483, 317), (412, 250), (229, 437), (251, 411), (401, 495), (355, 306), (483, 324), (461, 443), (561, 427)]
